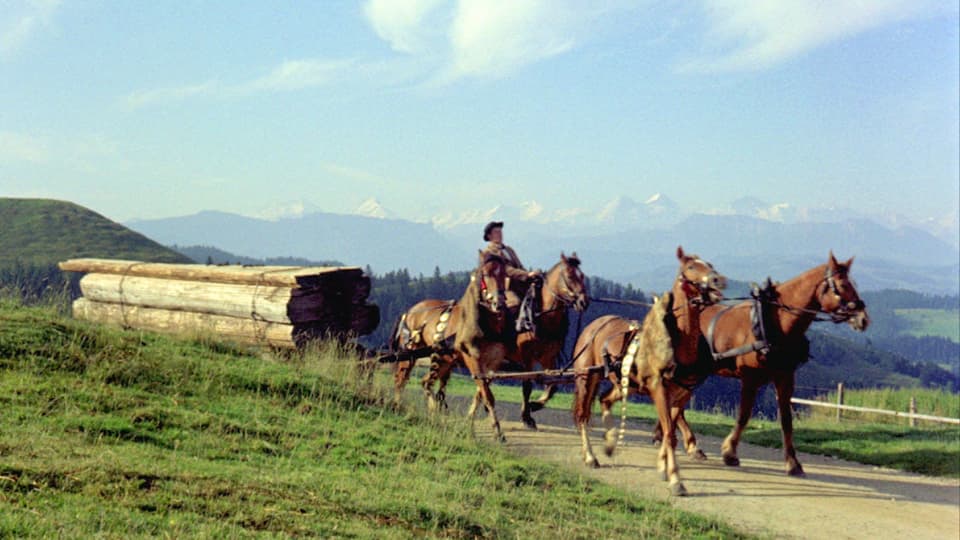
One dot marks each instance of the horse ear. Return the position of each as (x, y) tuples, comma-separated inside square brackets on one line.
[(680, 252), (849, 263), (833, 261), (563, 257)]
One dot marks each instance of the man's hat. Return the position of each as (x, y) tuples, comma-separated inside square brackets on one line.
[(489, 228)]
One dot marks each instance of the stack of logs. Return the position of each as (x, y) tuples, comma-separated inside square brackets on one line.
[(280, 306)]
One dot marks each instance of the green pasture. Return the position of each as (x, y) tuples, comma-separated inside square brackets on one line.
[(932, 322), (118, 434)]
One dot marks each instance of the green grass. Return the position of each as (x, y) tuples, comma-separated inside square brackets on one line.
[(932, 322), (42, 232), (927, 449), (117, 434)]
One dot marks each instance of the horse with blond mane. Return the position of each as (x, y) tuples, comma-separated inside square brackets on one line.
[(642, 359)]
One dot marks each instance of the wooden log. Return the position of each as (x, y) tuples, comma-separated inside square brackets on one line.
[(280, 276), (237, 330), (275, 304)]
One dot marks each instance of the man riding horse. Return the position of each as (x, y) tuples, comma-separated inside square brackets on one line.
[(520, 278)]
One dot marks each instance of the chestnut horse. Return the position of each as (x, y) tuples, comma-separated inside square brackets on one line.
[(421, 327), (608, 339), (429, 327), (732, 349)]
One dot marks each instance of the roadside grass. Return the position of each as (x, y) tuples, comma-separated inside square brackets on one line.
[(119, 434), (928, 449), (932, 322)]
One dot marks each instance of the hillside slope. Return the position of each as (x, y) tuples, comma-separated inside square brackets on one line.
[(44, 232), (106, 433)]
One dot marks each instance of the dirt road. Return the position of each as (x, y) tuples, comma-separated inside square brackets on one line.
[(837, 499)]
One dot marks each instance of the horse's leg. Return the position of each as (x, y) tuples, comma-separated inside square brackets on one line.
[(667, 459), (541, 401), (784, 384), (400, 377), (680, 401), (444, 376), (607, 402), (585, 386), (748, 396), (528, 420), (436, 364), (483, 389)]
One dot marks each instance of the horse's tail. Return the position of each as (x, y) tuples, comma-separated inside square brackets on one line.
[(394, 344)]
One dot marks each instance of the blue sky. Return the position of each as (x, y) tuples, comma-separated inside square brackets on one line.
[(155, 109)]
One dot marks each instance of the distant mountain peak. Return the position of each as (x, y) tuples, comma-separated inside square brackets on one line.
[(285, 210), (372, 208)]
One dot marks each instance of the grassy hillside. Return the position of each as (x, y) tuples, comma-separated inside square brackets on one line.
[(932, 322), (44, 232), (105, 433)]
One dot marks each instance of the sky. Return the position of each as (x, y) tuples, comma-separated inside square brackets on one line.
[(143, 110)]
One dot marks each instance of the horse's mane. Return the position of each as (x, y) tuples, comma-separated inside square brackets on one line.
[(471, 331), (572, 260)]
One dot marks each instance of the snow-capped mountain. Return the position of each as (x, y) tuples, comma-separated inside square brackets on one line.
[(290, 209), (372, 208)]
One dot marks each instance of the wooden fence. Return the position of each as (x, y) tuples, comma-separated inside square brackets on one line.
[(910, 414)]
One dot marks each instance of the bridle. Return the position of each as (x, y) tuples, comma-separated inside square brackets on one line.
[(844, 311), (701, 288), (487, 299), (565, 296)]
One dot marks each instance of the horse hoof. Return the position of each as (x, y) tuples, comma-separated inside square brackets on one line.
[(535, 406), (677, 490), (796, 471), (530, 424), (731, 461), (699, 455)]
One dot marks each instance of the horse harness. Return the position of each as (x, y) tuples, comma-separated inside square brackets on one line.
[(767, 336)]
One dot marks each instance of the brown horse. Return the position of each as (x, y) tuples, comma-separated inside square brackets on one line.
[(608, 339), (732, 348), (429, 327), (421, 327)]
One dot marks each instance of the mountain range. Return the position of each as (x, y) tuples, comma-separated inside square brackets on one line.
[(625, 240)]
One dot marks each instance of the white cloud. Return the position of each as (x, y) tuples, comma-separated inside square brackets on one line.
[(297, 75), (760, 33), (495, 38), (165, 95), (487, 38), (401, 22), (21, 20), (289, 76), (16, 147)]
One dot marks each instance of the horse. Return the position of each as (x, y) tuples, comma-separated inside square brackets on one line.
[(732, 348), (429, 328), (564, 286), (658, 345)]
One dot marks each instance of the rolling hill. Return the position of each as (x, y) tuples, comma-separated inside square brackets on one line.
[(44, 232)]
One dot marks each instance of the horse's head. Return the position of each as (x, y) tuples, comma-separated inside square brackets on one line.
[(490, 277), (568, 283), (698, 278), (838, 296)]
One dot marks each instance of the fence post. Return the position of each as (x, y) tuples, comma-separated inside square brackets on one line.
[(839, 400), (913, 410)]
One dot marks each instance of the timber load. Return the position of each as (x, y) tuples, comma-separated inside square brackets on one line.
[(279, 306)]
